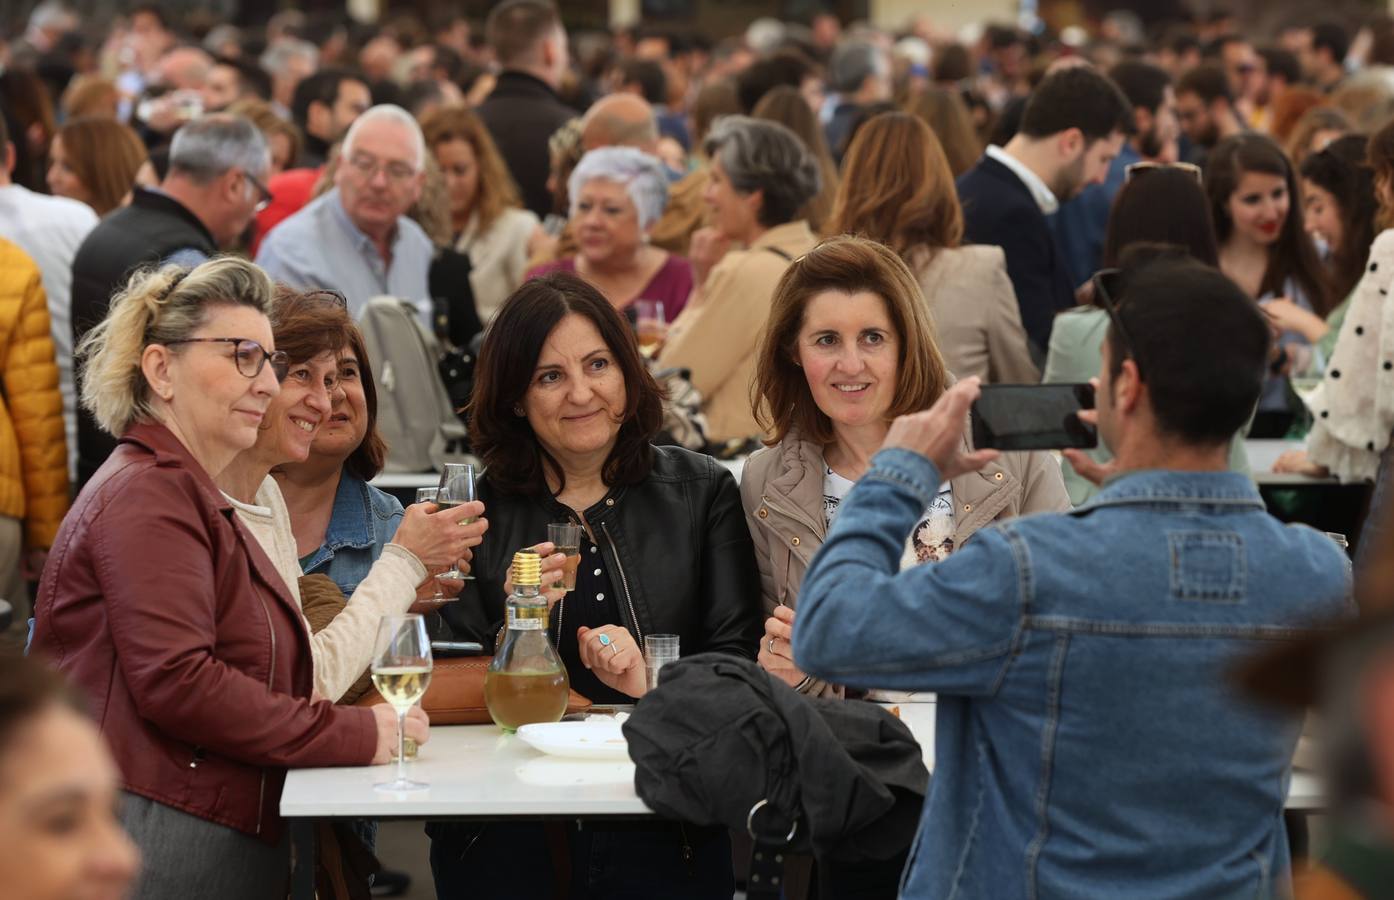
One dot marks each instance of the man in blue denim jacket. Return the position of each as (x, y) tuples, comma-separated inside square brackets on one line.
[(1089, 741)]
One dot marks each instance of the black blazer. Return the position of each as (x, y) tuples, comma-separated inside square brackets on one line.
[(998, 209), (675, 545), (521, 113)]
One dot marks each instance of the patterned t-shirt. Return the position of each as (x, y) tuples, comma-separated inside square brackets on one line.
[(933, 536)]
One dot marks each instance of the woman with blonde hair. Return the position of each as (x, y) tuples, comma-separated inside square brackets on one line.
[(897, 189), (788, 106), (944, 111), (848, 347), (168, 615), (487, 218), (98, 161)]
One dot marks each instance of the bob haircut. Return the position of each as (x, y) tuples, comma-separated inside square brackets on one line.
[(1292, 255), (368, 458), (780, 395), (897, 187), (306, 324), (516, 461), (1161, 206), (105, 155)]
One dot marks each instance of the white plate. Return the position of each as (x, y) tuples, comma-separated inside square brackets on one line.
[(583, 740)]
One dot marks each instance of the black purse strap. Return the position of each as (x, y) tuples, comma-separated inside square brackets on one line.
[(765, 874)]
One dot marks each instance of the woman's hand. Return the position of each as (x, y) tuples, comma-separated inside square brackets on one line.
[(706, 250), (776, 651), (1296, 462), (1288, 316), (616, 661), (437, 537), (552, 564), (418, 729)]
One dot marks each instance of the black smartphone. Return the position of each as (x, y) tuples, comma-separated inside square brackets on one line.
[(1033, 417), (454, 649)]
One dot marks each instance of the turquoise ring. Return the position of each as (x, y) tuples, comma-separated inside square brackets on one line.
[(604, 640)]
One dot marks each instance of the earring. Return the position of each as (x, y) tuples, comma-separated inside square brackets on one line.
[(518, 411)]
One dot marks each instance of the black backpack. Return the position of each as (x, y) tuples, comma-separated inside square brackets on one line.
[(720, 742)]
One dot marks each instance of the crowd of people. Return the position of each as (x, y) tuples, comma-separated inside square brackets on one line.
[(230, 258)]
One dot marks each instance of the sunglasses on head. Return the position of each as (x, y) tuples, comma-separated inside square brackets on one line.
[(1107, 284), (1138, 169)]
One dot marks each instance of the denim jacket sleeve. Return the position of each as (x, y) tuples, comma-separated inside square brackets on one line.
[(949, 626)]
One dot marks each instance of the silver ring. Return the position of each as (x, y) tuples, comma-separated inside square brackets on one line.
[(771, 646), (614, 649)]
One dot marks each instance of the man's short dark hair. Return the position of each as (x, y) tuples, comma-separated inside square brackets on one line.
[(783, 67), (321, 87), (1207, 81), (1182, 41), (1202, 345), (1333, 38), (653, 84), (1144, 84), (1077, 98), (1282, 63), (252, 78), (1216, 48), (514, 28), (154, 10)]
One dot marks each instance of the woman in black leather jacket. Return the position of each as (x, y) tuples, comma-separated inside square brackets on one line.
[(562, 414)]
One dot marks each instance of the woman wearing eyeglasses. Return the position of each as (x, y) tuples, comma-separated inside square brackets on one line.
[(1159, 207), (164, 610)]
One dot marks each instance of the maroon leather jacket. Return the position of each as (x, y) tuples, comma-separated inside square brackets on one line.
[(188, 644)]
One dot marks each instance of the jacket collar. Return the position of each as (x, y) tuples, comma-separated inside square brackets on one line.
[(168, 450), (1166, 487), (350, 523), (159, 201), (1040, 191)]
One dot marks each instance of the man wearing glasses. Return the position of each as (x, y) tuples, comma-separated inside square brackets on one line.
[(1089, 739), (216, 184), (356, 239)]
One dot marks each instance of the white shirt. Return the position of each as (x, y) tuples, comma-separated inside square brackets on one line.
[(932, 538), (50, 229), (1045, 198)]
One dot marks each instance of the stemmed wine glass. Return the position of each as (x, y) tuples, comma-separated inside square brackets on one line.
[(401, 672), (456, 487)]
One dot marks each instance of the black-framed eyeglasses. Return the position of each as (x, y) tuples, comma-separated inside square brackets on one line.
[(249, 355), (262, 190), (1137, 169), (1106, 283)]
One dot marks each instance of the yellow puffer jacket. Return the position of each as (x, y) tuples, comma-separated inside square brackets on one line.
[(33, 451)]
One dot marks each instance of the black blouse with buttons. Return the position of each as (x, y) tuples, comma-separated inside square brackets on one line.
[(594, 603)]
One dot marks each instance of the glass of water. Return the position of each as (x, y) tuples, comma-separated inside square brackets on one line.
[(659, 650)]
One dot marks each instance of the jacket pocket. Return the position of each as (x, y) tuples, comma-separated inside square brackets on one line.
[(1207, 566)]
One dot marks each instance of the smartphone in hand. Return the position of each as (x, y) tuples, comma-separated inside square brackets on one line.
[(1033, 417)]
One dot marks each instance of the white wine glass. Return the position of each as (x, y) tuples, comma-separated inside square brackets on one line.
[(456, 487), (401, 672)]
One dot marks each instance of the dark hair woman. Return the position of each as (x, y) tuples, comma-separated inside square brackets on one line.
[(1265, 249), (563, 413), (1159, 207), (1339, 208)]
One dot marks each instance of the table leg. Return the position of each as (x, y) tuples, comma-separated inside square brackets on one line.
[(302, 875)]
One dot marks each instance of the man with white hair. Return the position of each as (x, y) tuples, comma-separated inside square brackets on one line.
[(216, 184), (356, 239)]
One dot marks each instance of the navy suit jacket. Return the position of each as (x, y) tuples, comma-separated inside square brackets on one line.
[(998, 209)]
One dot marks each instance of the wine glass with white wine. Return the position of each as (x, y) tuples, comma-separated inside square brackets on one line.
[(401, 672), (456, 487)]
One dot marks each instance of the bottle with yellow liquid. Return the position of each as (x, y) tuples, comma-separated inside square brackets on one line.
[(526, 681)]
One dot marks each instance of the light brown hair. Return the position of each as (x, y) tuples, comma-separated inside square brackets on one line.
[(91, 95), (944, 111), (785, 105), (780, 395), (260, 114), (496, 191), (897, 188), (105, 155)]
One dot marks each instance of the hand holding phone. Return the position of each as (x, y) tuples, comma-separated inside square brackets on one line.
[(1033, 417)]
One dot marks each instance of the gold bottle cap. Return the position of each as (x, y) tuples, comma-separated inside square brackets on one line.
[(527, 568)]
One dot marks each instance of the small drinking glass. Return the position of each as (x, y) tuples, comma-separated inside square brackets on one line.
[(566, 536), (401, 672), (456, 487), (651, 325), (659, 650), (428, 495)]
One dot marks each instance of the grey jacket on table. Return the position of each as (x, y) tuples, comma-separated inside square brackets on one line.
[(782, 492), (975, 312)]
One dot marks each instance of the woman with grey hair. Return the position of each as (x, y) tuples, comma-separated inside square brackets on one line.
[(617, 195), (761, 177)]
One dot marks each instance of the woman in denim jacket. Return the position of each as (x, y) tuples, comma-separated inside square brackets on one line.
[(848, 347), (342, 522)]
